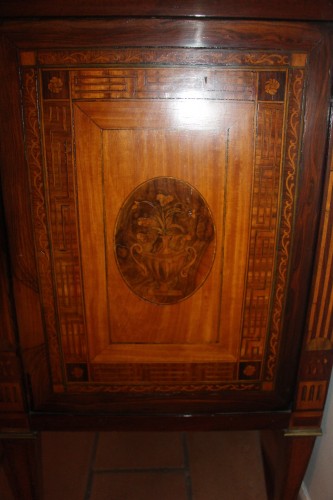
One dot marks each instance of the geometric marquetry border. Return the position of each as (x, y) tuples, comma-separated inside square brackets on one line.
[(250, 371)]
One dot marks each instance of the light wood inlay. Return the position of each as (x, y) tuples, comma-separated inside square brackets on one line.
[(163, 240)]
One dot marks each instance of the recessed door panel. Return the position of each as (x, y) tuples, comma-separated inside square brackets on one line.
[(209, 162)]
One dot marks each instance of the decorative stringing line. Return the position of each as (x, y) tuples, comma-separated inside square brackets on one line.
[(34, 160), (167, 56), (289, 186)]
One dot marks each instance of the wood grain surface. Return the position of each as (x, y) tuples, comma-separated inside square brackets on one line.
[(285, 9)]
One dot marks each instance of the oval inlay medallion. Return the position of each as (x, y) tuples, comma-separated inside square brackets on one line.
[(164, 240)]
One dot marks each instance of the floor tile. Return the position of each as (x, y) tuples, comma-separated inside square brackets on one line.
[(66, 461), (139, 486), (150, 466), (121, 450), (226, 465)]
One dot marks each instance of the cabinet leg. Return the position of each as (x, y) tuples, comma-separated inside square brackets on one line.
[(22, 465), (286, 458)]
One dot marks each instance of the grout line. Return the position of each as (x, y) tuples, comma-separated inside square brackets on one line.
[(164, 470), (91, 468), (188, 480)]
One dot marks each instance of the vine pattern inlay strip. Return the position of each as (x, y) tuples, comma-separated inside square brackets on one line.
[(288, 204), (34, 160)]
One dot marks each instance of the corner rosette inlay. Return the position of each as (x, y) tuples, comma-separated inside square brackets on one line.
[(272, 86), (55, 85), (165, 240)]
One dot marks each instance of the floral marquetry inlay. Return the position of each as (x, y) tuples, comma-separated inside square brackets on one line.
[(165, 240), (55, 85), (272, 86)]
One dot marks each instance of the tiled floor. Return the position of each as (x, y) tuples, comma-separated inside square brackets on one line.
[(151, 466)]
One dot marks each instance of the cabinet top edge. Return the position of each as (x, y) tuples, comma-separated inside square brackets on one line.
[(176, 32), (321, 10)]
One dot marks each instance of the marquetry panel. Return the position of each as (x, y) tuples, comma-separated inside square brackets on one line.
[(320, 327), (9, 368), (62, 213), (164, 56), (163, 83), (311, 395), (55, 84), (163, 200), (10, 387), (262, 244), (163, 372), (271, 86), (317, 359), (316, 365), (11, 397)]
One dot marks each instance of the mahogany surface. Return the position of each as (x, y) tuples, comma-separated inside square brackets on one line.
[(285, 461), (166, 249), (322, 10)]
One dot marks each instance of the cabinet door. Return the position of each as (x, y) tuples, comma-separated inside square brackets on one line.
[(166, 194)]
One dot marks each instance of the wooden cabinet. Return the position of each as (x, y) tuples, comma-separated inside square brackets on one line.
[(167, 255)]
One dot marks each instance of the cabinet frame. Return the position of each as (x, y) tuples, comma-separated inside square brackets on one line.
[(28, 404)]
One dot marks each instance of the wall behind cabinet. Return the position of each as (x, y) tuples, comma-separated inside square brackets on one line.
[(318, 479)]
